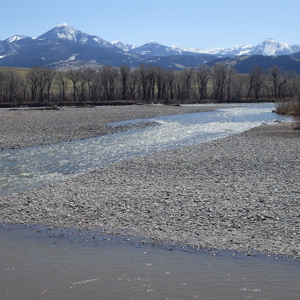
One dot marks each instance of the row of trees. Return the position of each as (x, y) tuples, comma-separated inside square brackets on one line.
[(146, 83)]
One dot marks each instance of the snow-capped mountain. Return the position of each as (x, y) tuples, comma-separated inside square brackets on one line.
[(67, 32), (16, 38), (152, 49), (271, 47), (64, 43), (268, 47), (123, 46), (238, 50), (14, 44), (213, 51)]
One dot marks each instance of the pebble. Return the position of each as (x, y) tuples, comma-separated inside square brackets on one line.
[(239, 193)]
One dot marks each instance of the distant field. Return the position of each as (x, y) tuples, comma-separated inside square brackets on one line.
[(20, 71)]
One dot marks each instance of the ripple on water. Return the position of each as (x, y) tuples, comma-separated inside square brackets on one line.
[(35, 166), (74, 265)]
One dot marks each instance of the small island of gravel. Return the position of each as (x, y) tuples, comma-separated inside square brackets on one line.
[(240, 193), (21, 128)]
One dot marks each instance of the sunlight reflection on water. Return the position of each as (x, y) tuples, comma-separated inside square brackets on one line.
[(34, 166), (43, 267)]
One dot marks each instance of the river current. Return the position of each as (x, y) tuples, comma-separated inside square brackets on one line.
[(38, 263), (34, 166)]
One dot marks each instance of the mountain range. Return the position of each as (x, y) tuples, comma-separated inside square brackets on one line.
[(64, 47)]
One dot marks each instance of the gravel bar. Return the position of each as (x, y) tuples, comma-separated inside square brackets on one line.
[(239, 193), (21, 128)]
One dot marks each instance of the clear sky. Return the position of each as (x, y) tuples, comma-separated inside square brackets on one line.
[(187, 23)]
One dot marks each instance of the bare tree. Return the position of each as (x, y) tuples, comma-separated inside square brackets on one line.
[(97, 88), (133, 83), (219, 73), (203, 75), (230, 72), (143, 77), (108, 76), (73, 76), (238, 84), (13, 82), (81, 87), (45, 78), (90, 75), (2, 85), (125, 73), (186, 77), (159, 82), (33, 79), (170, 80), (256, 81), (278, 80), (49, 76), (151, 70), (61, 80)]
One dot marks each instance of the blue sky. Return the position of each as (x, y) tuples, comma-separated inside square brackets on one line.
[(189, 23)]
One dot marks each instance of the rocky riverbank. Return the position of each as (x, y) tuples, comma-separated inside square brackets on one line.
[(21, 128), (240, 193)]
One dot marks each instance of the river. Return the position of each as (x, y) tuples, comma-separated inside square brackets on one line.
[(50, 263)]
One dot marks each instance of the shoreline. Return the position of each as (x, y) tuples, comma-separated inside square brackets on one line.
[(240, 193), (27, 128)]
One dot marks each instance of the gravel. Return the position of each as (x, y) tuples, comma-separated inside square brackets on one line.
[(240, 193), (31, 127)]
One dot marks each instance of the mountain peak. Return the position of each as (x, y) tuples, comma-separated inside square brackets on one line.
[(64, 25), (16, 38), (62, 31), (270, 40), (272, 47), (123, 46)]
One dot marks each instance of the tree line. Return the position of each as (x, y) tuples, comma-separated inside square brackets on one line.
[(145, 84)]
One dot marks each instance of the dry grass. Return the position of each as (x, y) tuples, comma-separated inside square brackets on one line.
[(290, 107), (297, 112)]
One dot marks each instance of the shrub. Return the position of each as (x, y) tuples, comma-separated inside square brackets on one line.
[(296, 111)]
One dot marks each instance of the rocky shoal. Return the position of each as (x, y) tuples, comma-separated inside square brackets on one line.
[(240, 193)]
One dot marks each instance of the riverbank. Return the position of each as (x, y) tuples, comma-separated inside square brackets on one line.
[(21, 128), (239, 193)]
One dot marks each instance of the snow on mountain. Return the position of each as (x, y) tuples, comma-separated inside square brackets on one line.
[(123, 46), (272, 47), (201, 50), (235, 51), (62, 31), (59, 40), (238, 50), (2, 56), (13, 44), (67, 32), (16, 38), (154, 49), (268, 47)]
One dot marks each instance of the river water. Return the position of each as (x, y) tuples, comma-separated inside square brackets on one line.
[(34, 166), (35, 266), (43, 263)]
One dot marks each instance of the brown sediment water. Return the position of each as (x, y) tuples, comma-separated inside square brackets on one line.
[(38, 267)]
